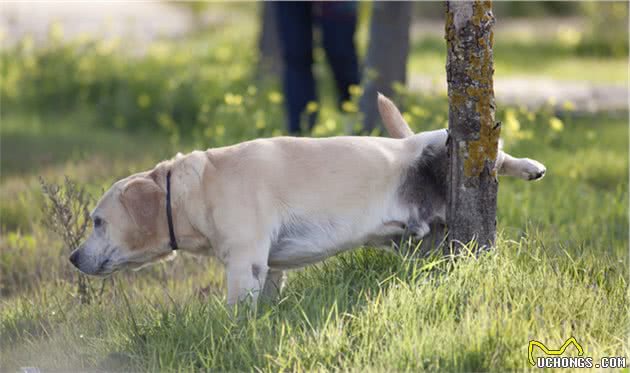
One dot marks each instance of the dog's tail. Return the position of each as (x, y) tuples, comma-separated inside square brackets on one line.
[(394, 122)]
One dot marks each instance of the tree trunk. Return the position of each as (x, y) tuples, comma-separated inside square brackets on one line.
[(270, 63), (386, 59), (474, 136)]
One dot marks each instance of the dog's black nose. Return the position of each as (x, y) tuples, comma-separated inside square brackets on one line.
[(74, 258)]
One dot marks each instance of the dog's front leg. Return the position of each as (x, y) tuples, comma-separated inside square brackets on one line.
[(246, 272)]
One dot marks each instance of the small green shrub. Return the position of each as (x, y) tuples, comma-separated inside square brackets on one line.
[(189, 90), (66, 213), (607, 33)]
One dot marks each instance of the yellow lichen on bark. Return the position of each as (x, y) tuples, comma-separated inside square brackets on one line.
[(480, 12), (448, 26), (480, 72), (457, 99)]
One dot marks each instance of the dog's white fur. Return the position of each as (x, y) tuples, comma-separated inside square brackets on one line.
[(268, 205)]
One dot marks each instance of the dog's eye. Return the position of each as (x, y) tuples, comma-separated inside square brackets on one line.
[(98, 222)]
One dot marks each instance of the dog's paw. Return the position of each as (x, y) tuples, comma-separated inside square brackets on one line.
[(420, 230), (533, 170)]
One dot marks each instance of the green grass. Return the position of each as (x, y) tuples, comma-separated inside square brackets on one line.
[(559, 270), (58, 139), (560, 267), (368, 310)]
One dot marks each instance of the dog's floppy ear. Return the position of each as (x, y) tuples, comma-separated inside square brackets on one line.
[(142, 198), (394, 122)]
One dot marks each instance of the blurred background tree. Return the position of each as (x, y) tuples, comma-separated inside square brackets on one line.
[(607, 30), (387, 53), (269, 61)]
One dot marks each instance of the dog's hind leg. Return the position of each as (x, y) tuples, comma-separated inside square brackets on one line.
[(524, 168), (273, 284)]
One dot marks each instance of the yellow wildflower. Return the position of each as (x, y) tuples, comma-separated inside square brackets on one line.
[(233, 99), (56, 31), (355, 90), (512, 123), (568, 105), (330, 124), (275, 97), (556, 124), (349, 107), (312, 107)]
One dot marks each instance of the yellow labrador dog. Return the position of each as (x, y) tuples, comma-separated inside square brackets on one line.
[(268, 205)]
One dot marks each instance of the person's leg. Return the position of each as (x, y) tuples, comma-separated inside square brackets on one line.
[(338, 21), (295, 32)]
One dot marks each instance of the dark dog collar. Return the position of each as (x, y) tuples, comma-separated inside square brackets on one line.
[(169, 213)]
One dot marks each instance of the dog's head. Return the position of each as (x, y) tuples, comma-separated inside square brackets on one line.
[(130, 221), (130, 228)]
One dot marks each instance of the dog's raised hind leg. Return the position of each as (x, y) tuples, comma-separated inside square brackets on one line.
[(524, 168), (273, 284)]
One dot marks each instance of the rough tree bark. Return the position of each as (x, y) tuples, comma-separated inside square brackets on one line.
[(386, 59), (474, 136)]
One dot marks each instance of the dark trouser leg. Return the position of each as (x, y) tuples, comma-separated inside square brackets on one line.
[(338, 23), (295, 31)]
